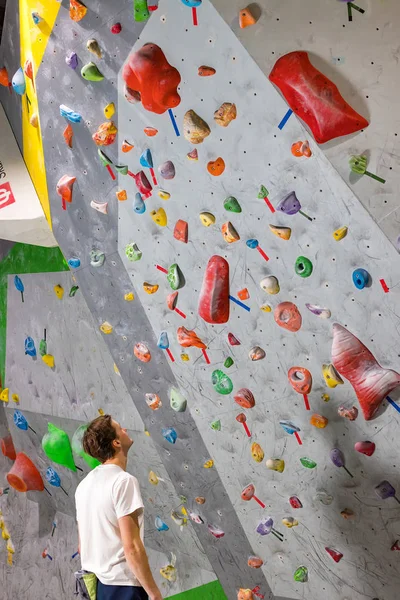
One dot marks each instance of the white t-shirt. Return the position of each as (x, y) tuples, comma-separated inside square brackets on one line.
[(105, 495)]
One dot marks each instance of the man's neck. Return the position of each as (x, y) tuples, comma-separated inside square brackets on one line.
[(120, 460)]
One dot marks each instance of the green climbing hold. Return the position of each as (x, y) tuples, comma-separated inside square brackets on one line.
[(42, 347), (228, 362), (216, 425), (121, 169), (303, 266), (232, 205), (263, 193), (221, 382), (301, 575), (358, 164), (77, 447), (308, 463), (105, 161), (57, 447), (91, 72), (177, 402), (132, 252), (140, 10), (73, 290), (175, 277)]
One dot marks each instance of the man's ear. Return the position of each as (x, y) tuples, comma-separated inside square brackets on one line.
[(116, 443)]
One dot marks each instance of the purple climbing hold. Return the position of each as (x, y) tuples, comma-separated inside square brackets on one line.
[(72, 60)]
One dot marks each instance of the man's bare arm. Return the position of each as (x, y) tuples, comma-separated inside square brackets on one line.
[(136, 556)]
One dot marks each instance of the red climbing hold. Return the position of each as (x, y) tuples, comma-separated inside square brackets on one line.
[(181, 231), (117, 28), (68, 135), (245, 398), (337, 556), (214, 294), (24, 476), (7, 447), (233, 340), (314, 98), (148, 73), (64, 189)]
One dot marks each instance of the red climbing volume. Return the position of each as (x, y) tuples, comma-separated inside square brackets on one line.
[(214, 294)]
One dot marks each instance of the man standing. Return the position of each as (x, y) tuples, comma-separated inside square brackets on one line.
[(110, 518)]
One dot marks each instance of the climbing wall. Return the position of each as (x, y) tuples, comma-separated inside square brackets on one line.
[(255, 152)]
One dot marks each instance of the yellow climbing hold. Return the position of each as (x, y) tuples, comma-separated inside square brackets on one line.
[(209, 464), (185, 357), (149, 288), (101, 412), (340, 233), (48, 360), (4, 395), (169, 573), (5, 535), (159, 217), (106, 327), (109, 110), (325, 397), (290, 522), (59, 291), (146, 433), (153, 478), (257, 452), (164, 195), (266, 308), (207, 219), (15, 398), (129, 297), (116, 370), (331, 376), (282, 232)]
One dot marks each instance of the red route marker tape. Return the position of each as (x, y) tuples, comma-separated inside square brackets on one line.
[(259, 501), (180, 313), (63, 203), (162, 269), (194, 15), (306, 402), (152, 8), (261, 251), (205, 356), (247, 430), (111, 172), (168, 351), (384, 286), (298, 438), (268, 203), (153, 176)]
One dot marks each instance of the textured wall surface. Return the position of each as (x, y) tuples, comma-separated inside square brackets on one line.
[(253, 155)]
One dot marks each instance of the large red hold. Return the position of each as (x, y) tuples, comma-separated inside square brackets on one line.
[(357, 364), (24, 476), (314, 98), (214, 294), (149, 74)]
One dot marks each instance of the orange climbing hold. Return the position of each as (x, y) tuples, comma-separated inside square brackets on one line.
[(181, 231), (142, 352), (105, 134), (246, 18), (216, 167), (126, 146), (68, 135), (24, 476), (121, 195), (301, 149), (4, 79), (187, 338), (77, 10), (244, 294), (319, 421), (150, 131), (7, 447)]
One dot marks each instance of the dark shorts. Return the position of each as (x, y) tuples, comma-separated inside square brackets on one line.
[(120, 592)]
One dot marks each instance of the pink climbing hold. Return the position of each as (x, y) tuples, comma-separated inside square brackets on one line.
[(233, 340), (337, 556), (357, 364)]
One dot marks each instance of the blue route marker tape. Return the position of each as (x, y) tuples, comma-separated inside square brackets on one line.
[(171, 114), (236, 301), (393, 403), (285, 119)]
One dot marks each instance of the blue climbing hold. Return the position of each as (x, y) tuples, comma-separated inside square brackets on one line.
[(146, 159), (160, 525), (252, 244), (138, 205), (192, 3), (169, 434), (53, 477), (70, 114), (20, 421), (163, 341), (74, 263), (30, 349), (361, 278), (18, 82)]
